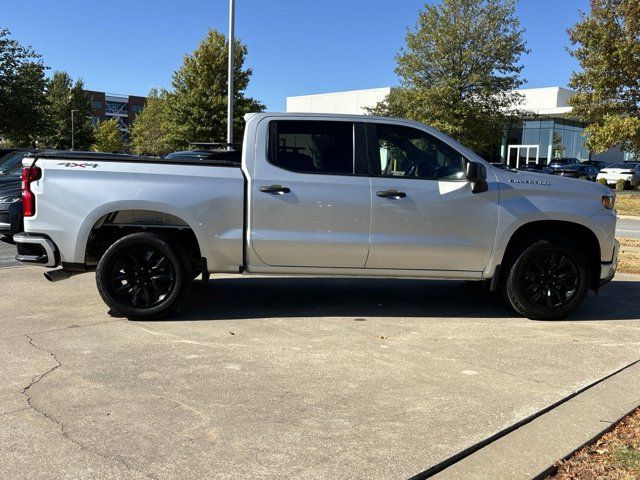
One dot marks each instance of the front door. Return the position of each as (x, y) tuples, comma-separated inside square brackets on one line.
[(424, 213), (308, 206)]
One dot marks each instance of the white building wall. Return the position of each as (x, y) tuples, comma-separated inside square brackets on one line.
[(541, 101), (353, 102)]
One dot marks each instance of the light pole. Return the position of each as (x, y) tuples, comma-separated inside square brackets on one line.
[(72, 130), (230, 74)]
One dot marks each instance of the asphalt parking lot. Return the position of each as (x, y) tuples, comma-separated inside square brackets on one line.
[(276, 378)]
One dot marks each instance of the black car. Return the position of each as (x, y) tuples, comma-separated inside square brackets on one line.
[(584, 172), (10, 206), (11, 219), (217, 153), (535, 168), (12, 160), (564, 161), (596, 163)]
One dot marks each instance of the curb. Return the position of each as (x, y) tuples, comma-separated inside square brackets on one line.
[(628, 217), (530, 448)]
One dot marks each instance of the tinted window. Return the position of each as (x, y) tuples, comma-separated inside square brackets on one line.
[(410, 153), (11, 162), (312, 146)]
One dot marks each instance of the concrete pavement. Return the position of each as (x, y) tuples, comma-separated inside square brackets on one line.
[(628, 227), (7, 255), (274, 378)]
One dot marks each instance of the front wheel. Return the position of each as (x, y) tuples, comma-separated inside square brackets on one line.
[(548, 280), (144, 275)]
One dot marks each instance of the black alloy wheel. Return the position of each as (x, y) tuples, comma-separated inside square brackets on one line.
[(144, 275), (550, 280)]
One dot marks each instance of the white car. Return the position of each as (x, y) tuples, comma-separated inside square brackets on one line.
[(627, 171)]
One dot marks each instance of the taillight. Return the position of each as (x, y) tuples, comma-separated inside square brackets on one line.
[(29, 174)]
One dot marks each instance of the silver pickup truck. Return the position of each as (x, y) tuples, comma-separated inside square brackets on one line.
[(317, 195)]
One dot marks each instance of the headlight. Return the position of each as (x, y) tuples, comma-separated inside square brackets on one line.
[(609, 201), (10, 199)]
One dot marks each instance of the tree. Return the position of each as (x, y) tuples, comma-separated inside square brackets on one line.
[(150, 129), (22, 85), (63, 96), (198, 102), (108, 137), (608, 87), (459, 69)]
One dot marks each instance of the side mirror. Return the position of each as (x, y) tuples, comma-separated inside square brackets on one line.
[(476, 173)]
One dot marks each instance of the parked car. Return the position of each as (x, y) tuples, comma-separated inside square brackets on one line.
[(10, 191), (7, 151), (535, 168), (318, 195), (629, 172), (10, 206), (11, 161), (596, 163), (561, 162), (583, 172), (219, 154)]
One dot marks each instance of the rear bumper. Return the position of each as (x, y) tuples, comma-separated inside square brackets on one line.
[(608, 269), (36, 249)]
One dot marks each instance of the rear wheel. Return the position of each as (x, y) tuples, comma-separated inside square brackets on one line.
[(548, 279), (144, 275)]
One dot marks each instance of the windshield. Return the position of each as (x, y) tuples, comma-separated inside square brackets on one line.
[(625, 166), (11, 163)]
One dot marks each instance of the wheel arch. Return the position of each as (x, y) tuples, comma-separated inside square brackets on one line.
[(113, 221), (581, 235)]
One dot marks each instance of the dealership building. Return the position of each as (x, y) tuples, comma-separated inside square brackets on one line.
[(547, 131)]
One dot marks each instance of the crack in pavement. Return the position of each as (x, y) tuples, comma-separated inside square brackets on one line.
[(69, 327), (37, 379)]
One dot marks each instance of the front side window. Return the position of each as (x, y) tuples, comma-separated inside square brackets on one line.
[(411, 153), (312, 146)]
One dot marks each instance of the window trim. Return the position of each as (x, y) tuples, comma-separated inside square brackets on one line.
[(373, 151), (360, 160)]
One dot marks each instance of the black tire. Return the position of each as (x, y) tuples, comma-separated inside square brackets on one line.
[(143, 276), (548, 279)]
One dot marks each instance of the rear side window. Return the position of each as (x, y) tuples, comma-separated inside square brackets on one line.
[(312, 146)]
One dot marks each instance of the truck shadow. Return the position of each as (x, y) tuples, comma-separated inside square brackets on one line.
[(228, 298)]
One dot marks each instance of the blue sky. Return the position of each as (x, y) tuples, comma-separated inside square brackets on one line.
[(296, 47)]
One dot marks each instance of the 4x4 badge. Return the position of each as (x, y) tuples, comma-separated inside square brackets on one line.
[(81, 165)]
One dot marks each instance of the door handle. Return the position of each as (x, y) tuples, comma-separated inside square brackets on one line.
[(391, 194), (275, 189)]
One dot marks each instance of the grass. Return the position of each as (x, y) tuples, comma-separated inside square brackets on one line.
[(628, 204), (629, 258), (614, 456), (630, 242), (629, 262)]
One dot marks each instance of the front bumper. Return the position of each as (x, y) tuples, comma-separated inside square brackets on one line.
[(608, 269), (36, 249)]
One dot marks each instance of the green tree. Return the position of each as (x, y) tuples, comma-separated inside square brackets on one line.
[(108, 137), (150, 129), (22, 86), (607, 45), (459, 69), (198, 102), (63, 96)]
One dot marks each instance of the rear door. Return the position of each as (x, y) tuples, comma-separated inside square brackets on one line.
[(424, 213), (310, 195)]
